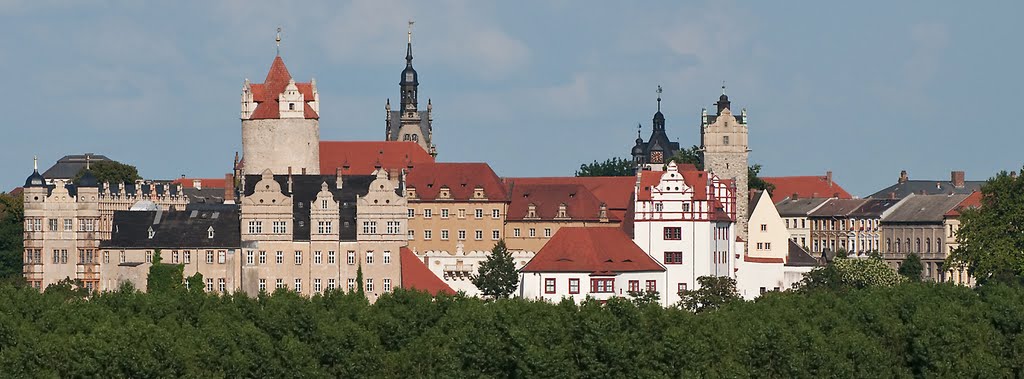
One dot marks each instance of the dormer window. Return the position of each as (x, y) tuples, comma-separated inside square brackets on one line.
[(209, 233), (563, 211), (478, 193), (531, 211), (410, 192), (445, 193), (151, 232)]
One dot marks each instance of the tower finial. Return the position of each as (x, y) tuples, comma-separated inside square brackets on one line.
[(88, 159), (35, 163), (278, 40), (638, 127), (723, 87), (410, 29), (408, 50), (659, 98)]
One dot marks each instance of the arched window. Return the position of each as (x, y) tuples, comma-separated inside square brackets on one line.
[(917, 244), (888, 244), (415, 137), (405, 137), (907, 242), (898, 246), (928, 244)]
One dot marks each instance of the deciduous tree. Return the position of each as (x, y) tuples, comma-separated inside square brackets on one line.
[(713, 293), (991, 238), (111, 172), (911, 267), (611, 167)]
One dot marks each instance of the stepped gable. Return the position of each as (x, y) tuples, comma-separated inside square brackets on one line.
[(266, 94), (304, 189), (593, 250), (362, 157), (805, 187), (416, 275), (461, 180)]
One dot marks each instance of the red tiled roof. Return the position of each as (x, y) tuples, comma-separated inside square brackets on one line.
[(362, 157), (615, 191), (591, 250), (266, 94), (747, 258), (416, 275), (581, 204), (972, 201), (460, 178), (206, 182), (805, 187), (16, 192)]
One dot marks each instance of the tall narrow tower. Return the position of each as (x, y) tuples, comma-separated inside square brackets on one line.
[(280, 123), (408, 123), (723, 140)]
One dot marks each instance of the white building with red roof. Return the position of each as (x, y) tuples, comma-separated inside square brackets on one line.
[(597, 262), (686, 221)]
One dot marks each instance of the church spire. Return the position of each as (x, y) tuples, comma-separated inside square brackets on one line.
[(659, 118), (408, 49), (410, 79)]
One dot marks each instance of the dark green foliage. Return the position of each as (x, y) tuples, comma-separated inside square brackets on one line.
[(908, 330), (689, 156), (111, 172), (12, 224), (497, 276), (991, 238), (359, 280), (163, 277), (610, 167), (714, 292), (756, 183), (911, 267)]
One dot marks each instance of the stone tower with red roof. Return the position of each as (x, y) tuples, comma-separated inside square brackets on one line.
[(280, 124), (723, 140)]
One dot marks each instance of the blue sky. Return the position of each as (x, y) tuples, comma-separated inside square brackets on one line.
[(535, 88)]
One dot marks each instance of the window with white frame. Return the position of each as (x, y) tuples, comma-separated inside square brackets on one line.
[(394, 227), (533, 232), (221, 256), (222, 285), (411, 234), (280, 227), (318, 257), (330, 257), (386, 284), (387, 257), (263, 257), (209, 256), (298, 257), (410, 213), (478, 234), (298, 285), (255, 227), (495, 213), (547, 232), (444, 234), (444, 212), (351, 284), (280, 257), (427, 234), (209, 284), (330, 284), (478, 213), (68, 225), (462, 235), (462, 212), (263, 285), (351, 257), (369, 285), (187, 256), (495, 234), (428, 213), (369, 257), (250, 257), (280, 283), (369, 227), (317, 286)]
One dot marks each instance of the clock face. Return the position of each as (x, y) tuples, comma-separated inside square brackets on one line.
[(656, 157)]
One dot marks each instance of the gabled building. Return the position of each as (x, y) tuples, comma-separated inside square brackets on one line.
[(772, 262), (597, 262), (686, 221), (794, 212), (918, 225)]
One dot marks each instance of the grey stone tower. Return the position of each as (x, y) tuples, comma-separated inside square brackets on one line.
[(723, 140)]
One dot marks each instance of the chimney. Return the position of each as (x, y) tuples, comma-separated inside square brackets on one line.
[(229, 189), (903, 176), (892, 195), (198, 184), (957, 177), (795, 196), (828, 177), (303, 171)]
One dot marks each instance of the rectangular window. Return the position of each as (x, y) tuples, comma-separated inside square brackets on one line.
[(673, 257), (516, 232), (68, 225), (323, 227), (298, 285), (387, 257), (209, 256), (351, 284), (280, 257), (250, 257), (263, 257), (330, 257), (547, 232), (221, 285), (444, 212), (549, 285), (602, 285), (462, 235), (323, 204), (298, 257), (652, 286), (427, 234), (187, 256), (495, 234), (427, 213), (53, 224), (222, 256), (330, 284), (369, 227), (495, 213), (106, 257), (280, 283), (533, 232), (394, 227), (280, 227), (686, 207), (764, 227), (263, 285), (369, 257), (478, 213), (255, 227), (410, 213), (444, 234), (317, 287), (386, 283), (411, 234), (369, 285), (574, 286), (479, 234), (318, 257), (209, 284), (680, 288), (462, 213), (351, 257), (634, 286), (673, 233)]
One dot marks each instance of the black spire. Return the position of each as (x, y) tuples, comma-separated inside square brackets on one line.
[(410, 80), (35, 180), (723, 101), (659, 119)]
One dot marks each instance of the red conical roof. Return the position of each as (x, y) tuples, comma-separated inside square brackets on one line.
[(266, 94)]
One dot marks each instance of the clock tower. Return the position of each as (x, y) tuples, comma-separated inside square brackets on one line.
[(655, 153)]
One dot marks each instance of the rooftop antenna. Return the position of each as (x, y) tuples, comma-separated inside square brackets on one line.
[(659, 98), (278, 40)]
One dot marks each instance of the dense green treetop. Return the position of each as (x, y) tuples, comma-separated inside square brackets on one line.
[(991, 238), (611, 167), (111, 172)]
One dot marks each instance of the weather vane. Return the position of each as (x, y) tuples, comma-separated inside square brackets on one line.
[(723, 87), (659, 98), (278, 40), (410, 29)]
